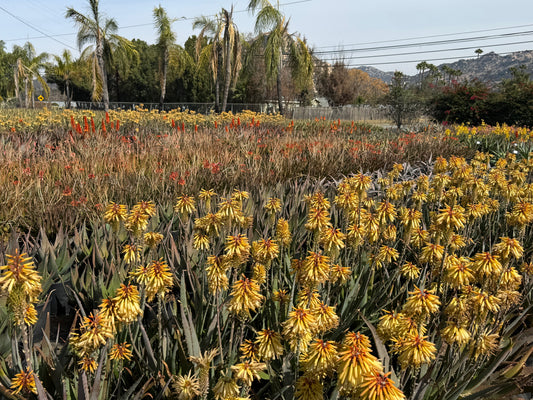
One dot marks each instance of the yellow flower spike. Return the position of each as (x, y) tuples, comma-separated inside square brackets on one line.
[(152, 239), (120, 351), (24, 382), (508, 247), (246, 297), (268, 344), (484, 344), (159, 279), (386, 213), (283, 233), (458, 271), (315, 268), (421, 303), (485, 264), (237, 246), (455, 333), (378, 386), (332, 239), (216, 273), (389, 324), (415, 351), (115, 213), (248, 350), (185, 205), (431, 253), (308, 387), (20, 272), (326, 318), (127, 302), (132, 253), (410, 271), (355, 361), (273, 205), (301, 323), (186, 387), (320, 358), (225, 388), (265, 250), (247, 372), (88, 364), (339, 274), (387, 254), (318, 219), (451, 217)]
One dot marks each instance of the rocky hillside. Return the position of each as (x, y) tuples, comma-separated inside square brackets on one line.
[(492, 67), (489, 67)]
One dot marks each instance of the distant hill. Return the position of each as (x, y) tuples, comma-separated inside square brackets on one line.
[(489, 67), (492, 67), (377, 73)]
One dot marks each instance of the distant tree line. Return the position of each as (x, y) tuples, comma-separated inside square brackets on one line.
[(444, 96), (218, 65)]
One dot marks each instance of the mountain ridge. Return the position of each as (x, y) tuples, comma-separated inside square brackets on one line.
[(491, 67)]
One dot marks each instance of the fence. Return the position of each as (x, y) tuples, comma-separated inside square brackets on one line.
[(354, 113), (201, 108), (357, 113)]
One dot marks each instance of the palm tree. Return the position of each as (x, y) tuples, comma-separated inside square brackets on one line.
[(224, 52), (231, 50), (213, 51), (277, 43), (26, 69), (119, 55), (164, 43), (93, 29), (63, 71)]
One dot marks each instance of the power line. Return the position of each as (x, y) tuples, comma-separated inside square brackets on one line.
[(418, 60), (430, 36), (143, 24), (36, 29), (427, 51), (431, 43)]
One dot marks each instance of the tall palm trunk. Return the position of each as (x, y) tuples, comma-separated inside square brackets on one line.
[(163, 79), (26, 97), (67, 92), (227, 69), (101, 67), (16, 79), (217, 80), (278, 87)]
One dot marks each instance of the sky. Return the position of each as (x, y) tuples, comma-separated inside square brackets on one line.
[(386, 34)]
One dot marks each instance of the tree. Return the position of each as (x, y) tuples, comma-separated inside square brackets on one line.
[(335, 85), (231, 50), (165, 41), (403, 107), (478, 52), (63, 74), (26, 69), (277, 43), (212, 53), (224, 52), (93, 29)]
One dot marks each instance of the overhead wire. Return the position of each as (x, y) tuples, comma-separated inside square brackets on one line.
[(427, 51), (36, 29), (431, 43), (428, 36)]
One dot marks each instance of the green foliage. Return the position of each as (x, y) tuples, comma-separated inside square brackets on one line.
[(403, 104), (511, 102)]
